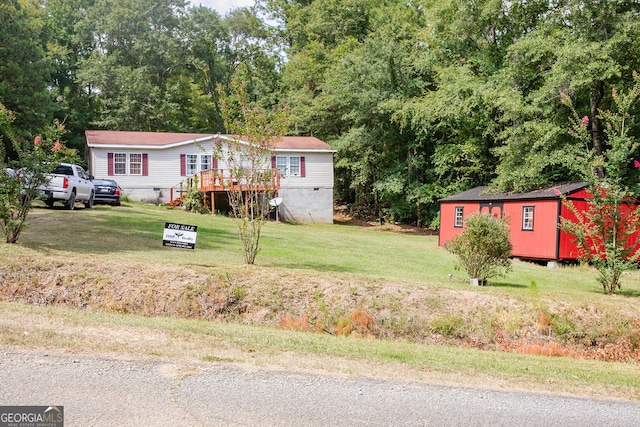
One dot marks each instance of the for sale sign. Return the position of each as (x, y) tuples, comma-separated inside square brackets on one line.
[(179, 235)]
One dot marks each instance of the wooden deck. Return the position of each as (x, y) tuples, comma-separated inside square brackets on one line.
[(221, 180)]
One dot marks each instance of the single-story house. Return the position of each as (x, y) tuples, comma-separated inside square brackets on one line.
[(534, 218), (155, 166)]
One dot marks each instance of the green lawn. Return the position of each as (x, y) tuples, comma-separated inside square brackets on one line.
[(135, 230)]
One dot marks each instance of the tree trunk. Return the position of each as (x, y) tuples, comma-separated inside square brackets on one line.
[(596, 95)]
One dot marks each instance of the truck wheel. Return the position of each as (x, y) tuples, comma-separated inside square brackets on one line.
[(71, 203), (89, 204)]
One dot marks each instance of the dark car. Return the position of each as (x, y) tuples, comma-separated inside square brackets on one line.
[(107, 191)]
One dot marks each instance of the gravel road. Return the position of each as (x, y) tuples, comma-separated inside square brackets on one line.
[(97, 390)]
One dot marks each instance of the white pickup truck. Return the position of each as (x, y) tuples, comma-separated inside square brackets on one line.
[(68, 184)]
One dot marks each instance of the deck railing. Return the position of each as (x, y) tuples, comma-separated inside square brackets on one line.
[(220, 180)]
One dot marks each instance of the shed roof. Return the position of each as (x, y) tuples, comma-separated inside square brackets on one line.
[(159, 140), (481, 194)]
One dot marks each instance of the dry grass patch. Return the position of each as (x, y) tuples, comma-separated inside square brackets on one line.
[(320, 303)]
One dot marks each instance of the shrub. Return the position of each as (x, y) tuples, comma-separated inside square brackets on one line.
[(448, 326), (193, 201), (483, 248)]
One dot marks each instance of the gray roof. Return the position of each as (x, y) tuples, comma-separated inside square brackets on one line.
[(481, 194)]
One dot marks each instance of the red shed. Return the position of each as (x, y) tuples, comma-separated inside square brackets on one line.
[(534, 218)]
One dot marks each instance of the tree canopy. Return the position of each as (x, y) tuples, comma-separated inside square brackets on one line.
[(420, 98)]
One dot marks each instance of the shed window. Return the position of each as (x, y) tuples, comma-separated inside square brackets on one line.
[(457, 222), (527, 217)]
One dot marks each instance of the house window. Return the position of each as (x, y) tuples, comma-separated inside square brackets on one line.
[(135, 164), (457, 222), (281, 164), (192, 164), (127, 164), (294, 166), (205, 162), (289, 165), (120, 163), (527, 218)]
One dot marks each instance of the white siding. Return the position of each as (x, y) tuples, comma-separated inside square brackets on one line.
[(164, 171), (319, 171), (308, 198)]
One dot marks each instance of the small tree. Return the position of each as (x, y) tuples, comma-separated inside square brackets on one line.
[(17, 193), (483, 248), (606, 233), (255, 133)]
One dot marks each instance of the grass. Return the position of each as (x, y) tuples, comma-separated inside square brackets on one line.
[(82, 331), (326, 273), (136, 230)]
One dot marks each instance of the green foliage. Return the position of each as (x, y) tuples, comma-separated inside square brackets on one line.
[(562, 325), (17, 193), (583, 61), (419, 99), (449, 326), (606, 233), (25, 70), (442, 96), (483, 248), (193, 201)]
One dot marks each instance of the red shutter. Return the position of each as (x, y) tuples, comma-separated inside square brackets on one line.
[(273, 162), (214, 166), (303, 169), (110, 164), (183, 164), (145, 164)]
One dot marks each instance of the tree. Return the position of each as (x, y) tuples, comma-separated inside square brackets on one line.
[(483, 248), (256, 132), (24, 69), (209, 66), (346, 86), (254, 55), (576, 48), (70, 42), (137, 64), (17, 193), (607, 232)]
